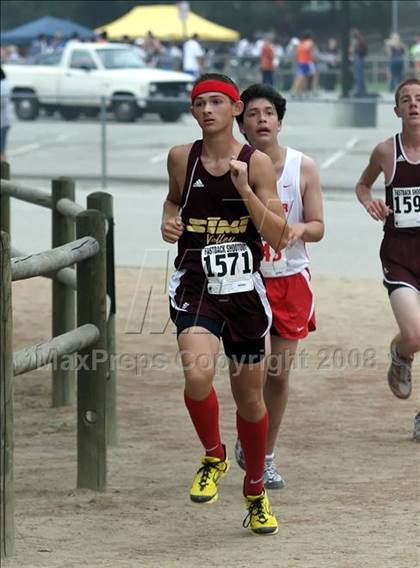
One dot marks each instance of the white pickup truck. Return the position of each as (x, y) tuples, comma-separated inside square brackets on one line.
[(76, 79)]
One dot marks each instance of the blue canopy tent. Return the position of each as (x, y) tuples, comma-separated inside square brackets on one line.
[(48, 26)]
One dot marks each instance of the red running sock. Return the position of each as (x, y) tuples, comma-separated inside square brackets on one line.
[(205, 417), (253, 437)]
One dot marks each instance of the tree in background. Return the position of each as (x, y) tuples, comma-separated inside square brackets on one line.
[(285, 18)]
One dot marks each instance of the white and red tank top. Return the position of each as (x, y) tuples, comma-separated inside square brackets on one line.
[(293, 259), (402, 193)]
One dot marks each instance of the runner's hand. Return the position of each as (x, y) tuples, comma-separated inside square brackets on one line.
[(171, 229), (239, 175), (296, 231), (377, 209)]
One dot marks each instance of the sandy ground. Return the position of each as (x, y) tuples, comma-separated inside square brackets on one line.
[(352, 469)]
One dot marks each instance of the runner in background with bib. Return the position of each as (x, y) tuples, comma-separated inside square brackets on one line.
[(399, 160), (285, 272), (222, 195)]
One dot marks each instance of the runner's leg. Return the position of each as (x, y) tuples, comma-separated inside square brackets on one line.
[(252, 420), (199, 349), (276, 387), (405, 303)]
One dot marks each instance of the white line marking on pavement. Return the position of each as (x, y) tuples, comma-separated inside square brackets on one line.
[(36, 146), (337, 155), (24, 149), (158, 158), (62, 137)]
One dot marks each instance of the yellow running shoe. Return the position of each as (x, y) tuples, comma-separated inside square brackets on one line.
[(260, 517), (204, 487)]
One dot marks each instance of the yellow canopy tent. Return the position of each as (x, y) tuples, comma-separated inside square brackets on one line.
[(163, 21)]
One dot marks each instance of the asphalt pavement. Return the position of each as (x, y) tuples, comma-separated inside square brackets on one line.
[(136, 167)]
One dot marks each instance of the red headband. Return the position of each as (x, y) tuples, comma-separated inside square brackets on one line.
[(217, 86)]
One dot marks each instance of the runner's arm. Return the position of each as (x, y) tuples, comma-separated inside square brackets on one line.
[(312, 228), (376, 208), (263, 204), (172, 226)]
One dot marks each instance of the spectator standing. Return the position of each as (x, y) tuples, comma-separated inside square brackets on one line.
[(39, 45), (305, 69), (10, 54), (243, 48), (331, 60), (176, 55), (415, 56), (5, 111), (58, 41), (267, 62), (291, 47), (102, 37), (75, 36), (396, 52), (358, 52), (193, 56), (152, 48)]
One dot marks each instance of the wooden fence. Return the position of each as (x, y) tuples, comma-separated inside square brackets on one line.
[(81, 237)]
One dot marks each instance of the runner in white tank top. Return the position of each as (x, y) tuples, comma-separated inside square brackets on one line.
[(286, 273), (294, 258)]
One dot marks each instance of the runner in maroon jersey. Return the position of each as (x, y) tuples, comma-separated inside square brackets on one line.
[(399, 160), (222, 194)]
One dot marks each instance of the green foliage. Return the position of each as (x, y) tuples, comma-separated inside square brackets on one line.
[(283, 17)]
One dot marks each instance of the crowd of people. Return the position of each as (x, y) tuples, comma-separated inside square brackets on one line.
[(310, 64)]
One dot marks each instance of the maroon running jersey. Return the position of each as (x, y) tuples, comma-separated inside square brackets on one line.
[(400, 247), (214, 213), (403, 193)]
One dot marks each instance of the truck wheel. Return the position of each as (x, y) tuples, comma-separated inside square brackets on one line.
[(49, 110), (169, 115), (26, 106), (125, 110), (91, 112), (69, 113)]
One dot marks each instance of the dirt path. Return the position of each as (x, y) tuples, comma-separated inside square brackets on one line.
[(352, 470)]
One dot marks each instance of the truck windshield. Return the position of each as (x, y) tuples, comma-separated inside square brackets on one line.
[(120, 58)]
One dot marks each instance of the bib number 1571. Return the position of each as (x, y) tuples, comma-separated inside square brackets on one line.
[(226, 263)]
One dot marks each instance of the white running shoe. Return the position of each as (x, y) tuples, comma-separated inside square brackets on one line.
[(272, 477), (399, 374)]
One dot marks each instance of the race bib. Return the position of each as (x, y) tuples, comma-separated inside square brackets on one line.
[(406, 207), (228, 268), (273, 263)]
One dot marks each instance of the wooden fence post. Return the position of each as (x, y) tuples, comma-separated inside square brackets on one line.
[(5, 200), (63, 297), (7, 527), (103, 202), (93, 363)]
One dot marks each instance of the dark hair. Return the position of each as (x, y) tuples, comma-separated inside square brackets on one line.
[(260, 91), (2, 74), (403, 84)]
